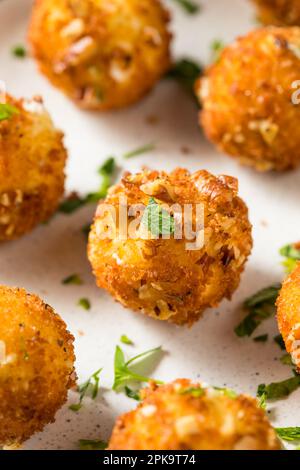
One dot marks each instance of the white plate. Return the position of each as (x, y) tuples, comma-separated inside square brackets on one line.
[(210, 350)]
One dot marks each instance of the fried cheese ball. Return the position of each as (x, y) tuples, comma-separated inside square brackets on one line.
[(184, 416), (247, 98), (32, 161), (103, 54), (288, 314), (167, 279), (279, 12), (36, 365)]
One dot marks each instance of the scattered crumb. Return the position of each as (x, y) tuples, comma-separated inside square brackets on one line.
[(186, 150), (80, 332), (264, 223), (152, 120)]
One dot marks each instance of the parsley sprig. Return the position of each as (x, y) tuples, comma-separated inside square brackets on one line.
[(7, 111), (157, 220), (278, 390), (291, 253), (90, 386), (289, 434)]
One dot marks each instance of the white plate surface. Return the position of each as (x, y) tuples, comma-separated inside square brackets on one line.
[(210, 350)]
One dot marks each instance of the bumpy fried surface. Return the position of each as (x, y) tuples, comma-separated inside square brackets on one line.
[(288, 314), (173, 417), (32, 160), (160, 277), (36, 364), (279, 12), (103, 54), (247, 99)]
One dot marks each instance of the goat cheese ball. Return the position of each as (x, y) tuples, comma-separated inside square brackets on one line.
[(103, 54), (36, 365), (279, 12), (167, 279), (288, 314), (32, 161), (183, 415), (250, 99)]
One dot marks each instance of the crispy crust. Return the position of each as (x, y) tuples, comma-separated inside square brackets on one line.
[(32, 160), (103, 55), (247, 99), (160, 277), (288, 314), (171, 418), (279, 12), (37, 364)]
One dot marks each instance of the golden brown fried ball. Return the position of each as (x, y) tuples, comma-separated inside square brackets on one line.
[(103, 54), (279, 12), (32, 160), (184, 416), (248, 110), (161, 277), (288, 314), (36, 364)]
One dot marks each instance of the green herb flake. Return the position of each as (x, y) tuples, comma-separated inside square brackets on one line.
[(87, 444), (261, 338), (7, 111), (84, 303), (291, 253), (90, 386), (216, 48), (125, 340), (139, 151), (186, 72), (74, 279), (124, 375), (289, 434), (189, 6), (278, 390), (286, 360), (195, 392), (259, 307), (19, 51), (157, 220), (279, 340), (228, 392), (134, 394)]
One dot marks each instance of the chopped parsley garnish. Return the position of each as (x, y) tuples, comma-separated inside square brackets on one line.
[(289, 434), (186, 72), (216, 48), (189, 6), (259, 307), (291, 253), (7, 111), (279, 340), (124, 375), (134, 394), (91, 385), (262, 401), (277, 390), (87, 444), (261, 338), (125, 340), (139, 151), (84, 303), (73, 279), (286, 360), (86, 229), (19, 51), (227, 392), (157, 220), (195, 392)]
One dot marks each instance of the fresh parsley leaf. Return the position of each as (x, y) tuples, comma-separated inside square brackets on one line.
[(195, 392), (216, 48), (259, 307), (227, 392), (261, 338), (189, 6), (19, 51), (125, 340), (92, 385), (84, 303), (87, 444), (124, 374), (279, 340), (277, 390), (289, 434), (134, 394), (262, 402), (139, 151), (73, 279), (286, 360), (292, 254), (7, 111), (157, 220), (186, 72)]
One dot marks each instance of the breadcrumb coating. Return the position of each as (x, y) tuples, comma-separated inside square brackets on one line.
[(279, 12), (36, 365), (103, 54), (184, 416), (160, 277), (32, 161), (288, 314), (249, 111)]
